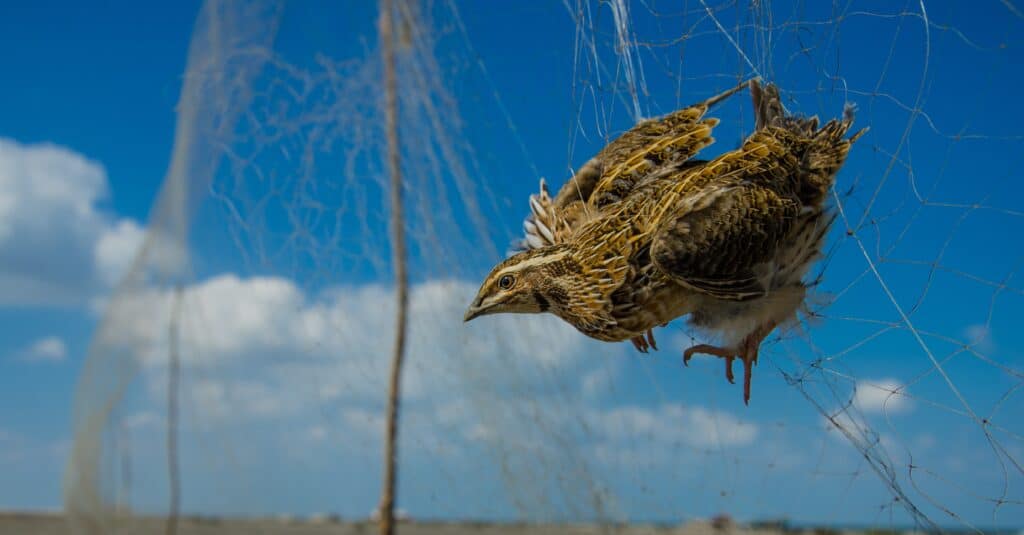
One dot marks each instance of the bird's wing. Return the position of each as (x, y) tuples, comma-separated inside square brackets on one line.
[(655, 144), (724, 219), (610, 176), (717, 223)]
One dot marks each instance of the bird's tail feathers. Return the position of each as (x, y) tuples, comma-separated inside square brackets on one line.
[(824, 148), (826, 152), (768, 109), (829, 146), (769, 112)]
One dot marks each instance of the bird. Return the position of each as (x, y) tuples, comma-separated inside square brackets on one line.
[(644, 233)]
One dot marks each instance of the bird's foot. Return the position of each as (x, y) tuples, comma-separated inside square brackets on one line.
[(642, 344), (729, 354), (746, 351)]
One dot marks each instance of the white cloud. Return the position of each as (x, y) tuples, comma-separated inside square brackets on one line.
[(338, 344), (48, 178), (57, 245), (882, 395), (261, 349), (47, 349), (665, 436), (366, 422), (598, 382), (116, 249), (673, 423), (222, 400), (980, 336), (223, 318), (317, 433), (141, 420)]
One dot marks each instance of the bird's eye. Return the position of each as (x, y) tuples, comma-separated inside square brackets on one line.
[(506, 281)]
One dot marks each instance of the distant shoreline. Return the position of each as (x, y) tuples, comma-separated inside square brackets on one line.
[(46, 522)]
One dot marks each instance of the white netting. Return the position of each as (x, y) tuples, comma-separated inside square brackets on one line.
[(241, 365)]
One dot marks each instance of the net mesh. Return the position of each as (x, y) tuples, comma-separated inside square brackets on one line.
[(241, 364)]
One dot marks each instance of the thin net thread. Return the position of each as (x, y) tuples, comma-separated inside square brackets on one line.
[(509, 421)]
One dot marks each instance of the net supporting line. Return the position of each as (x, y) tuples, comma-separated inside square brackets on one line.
[(711, 15), (904, 138), (1013, 9), (634, 73), (881, 468), (982, 423), (457, 18), (903, 316)]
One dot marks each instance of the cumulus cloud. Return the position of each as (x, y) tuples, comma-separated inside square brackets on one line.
[(882, 395), (259, 350), (263, 351), (979, 336), (665, 435), (58, 246), (47, 349), (220, 400), (116, 248), (337, 343), (596, 383), (673, 423)]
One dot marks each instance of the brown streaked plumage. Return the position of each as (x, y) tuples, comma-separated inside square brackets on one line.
[(643, 234)]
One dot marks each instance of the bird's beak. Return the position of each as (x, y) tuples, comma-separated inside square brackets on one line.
[(471, 313), (475, 309)]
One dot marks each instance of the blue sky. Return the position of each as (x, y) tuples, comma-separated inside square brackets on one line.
[(511, 417)]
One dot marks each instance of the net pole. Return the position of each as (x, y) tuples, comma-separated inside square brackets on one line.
[(387, 499), (173, 384)]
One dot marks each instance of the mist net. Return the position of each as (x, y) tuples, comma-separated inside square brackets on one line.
[(241, 366)]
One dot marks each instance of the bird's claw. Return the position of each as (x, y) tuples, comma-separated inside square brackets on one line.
[(650, 339), (642, 343)]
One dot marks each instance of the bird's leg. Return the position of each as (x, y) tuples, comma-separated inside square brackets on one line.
[(747, 352)]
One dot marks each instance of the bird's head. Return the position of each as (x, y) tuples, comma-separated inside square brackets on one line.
[(532, 281)]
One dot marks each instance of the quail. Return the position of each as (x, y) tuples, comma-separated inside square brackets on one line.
[(644, 233)]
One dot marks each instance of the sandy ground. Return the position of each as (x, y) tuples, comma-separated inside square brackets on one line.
[(54, 524)]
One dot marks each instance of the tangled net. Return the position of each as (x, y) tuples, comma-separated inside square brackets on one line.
[(242, 362)]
